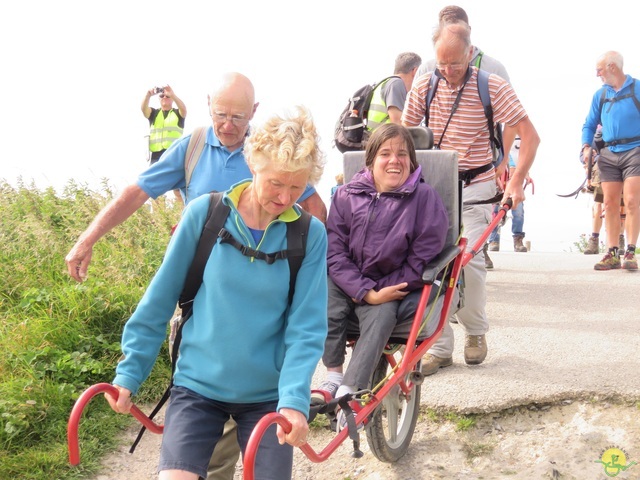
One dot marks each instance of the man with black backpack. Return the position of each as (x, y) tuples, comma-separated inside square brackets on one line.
[(387, 101), (457, 117), (375, 104)]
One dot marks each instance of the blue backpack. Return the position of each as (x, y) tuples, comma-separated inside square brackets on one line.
[(495, 129)]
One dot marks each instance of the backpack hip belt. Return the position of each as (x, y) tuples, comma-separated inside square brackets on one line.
[(622, 141), (467, 175)]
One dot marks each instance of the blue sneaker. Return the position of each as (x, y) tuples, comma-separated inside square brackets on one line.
[(324, 393)]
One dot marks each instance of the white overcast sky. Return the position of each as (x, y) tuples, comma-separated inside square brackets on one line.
[(73, 75)]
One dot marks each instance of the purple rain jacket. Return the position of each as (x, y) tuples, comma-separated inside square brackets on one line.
[(381, 239)]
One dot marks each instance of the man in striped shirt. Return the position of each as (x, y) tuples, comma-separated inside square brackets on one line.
[(463, 128)]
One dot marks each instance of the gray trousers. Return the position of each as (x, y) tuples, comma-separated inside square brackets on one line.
[(472, 317), (376, 323)]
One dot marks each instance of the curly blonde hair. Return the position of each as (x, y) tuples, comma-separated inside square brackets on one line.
[(290, 143)]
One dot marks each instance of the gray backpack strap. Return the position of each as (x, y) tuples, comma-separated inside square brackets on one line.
[(194, 150)]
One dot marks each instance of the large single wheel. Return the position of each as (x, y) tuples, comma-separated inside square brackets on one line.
[(391, 427)]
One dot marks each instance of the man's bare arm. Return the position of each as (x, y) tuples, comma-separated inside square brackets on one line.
[(116, 212), (315, 206), (529, 141), (395, 115), (146, 109)]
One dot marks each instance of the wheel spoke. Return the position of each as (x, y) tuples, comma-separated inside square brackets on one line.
[(392, 426)]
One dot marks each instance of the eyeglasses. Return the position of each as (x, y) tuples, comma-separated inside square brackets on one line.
[(237, 120), (162, 95), (600, 69), (456, 67)]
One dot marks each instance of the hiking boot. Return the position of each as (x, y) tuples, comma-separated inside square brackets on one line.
[(431, 364), (608, 262), (621, 243), (630, 262), (475, 349), (517, 244), (324, 393), (592, 246), (494, 246), (488, 263)]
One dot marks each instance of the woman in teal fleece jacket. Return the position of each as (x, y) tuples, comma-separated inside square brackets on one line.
[(245, 351)]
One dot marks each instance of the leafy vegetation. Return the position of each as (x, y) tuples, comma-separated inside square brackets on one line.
[(462, 422), (59, 337)]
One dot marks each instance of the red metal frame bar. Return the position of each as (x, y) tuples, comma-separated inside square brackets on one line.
[(479, 245), (78, 408)]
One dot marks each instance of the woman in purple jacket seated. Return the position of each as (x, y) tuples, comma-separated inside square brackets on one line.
[(383, 227)]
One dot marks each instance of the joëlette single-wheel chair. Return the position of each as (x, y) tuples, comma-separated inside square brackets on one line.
[(388, 410)]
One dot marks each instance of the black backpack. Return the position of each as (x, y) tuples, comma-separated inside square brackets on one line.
[(349, 133), (297, 232), (604, 99)]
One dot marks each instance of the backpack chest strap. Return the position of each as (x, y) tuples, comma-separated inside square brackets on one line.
[(270, 258)]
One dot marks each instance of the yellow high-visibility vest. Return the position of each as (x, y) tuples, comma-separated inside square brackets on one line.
[(378, 113), (164, 131)]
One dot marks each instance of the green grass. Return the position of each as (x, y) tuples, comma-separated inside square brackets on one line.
[(462, 423), (477, 449), (58, 337)]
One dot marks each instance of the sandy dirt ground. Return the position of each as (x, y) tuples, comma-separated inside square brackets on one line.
[(564, 441)]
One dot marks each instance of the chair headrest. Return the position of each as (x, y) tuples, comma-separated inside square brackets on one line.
[(422, 137)]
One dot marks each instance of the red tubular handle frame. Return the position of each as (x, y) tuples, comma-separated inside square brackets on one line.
[(78, 408), (479, 245), (259, 431)]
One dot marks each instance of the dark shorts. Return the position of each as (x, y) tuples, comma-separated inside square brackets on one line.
[(194, 424), (617, 167), (155, 156), (598, 196)]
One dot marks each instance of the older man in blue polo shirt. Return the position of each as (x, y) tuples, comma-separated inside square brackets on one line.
[(221, 164)]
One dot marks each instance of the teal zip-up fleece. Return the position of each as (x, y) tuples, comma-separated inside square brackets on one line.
[(242, 344)]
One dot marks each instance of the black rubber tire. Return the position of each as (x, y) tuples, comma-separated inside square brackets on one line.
[(390, 430)]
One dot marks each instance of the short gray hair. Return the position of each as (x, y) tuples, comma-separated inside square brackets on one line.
[(613, 57), (407, 61)]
